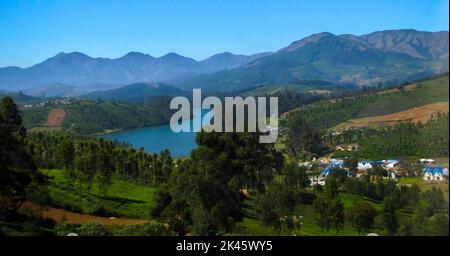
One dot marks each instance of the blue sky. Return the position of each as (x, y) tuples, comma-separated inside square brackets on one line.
[(33, 30)]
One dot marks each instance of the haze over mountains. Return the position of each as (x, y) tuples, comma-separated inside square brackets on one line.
[(79, 69), (394, 55)]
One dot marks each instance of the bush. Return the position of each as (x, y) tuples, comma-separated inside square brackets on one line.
[(63, 228), (100, 210), (155, 230), (32, 228), (93, 229), (71, 207), (142, 230)]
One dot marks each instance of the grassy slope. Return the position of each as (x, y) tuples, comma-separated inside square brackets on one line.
[(426, 92), (416, 114), (331, 113), (124, 198), (251, 226), (444, 186), (135, 200)]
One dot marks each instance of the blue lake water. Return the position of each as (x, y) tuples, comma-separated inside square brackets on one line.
[(154, 139)]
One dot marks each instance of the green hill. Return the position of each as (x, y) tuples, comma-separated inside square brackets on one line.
[(328, 113), (19, 97), (417, 94), (139, 92), (88, 117)]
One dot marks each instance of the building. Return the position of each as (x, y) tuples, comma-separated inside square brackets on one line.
[(425, 161), (435, 173), (364, 165), (390, 164), (348, 147)]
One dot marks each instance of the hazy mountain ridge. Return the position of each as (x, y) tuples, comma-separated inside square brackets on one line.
[(364, 60), (79, 69)]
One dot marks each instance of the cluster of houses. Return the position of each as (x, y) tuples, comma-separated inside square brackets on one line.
[(61, 101), (430, 170), (347, 147)]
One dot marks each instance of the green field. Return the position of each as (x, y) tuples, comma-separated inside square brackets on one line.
[(326, 114), (251, 226), (427, 92), (136, 200), (123, 198)]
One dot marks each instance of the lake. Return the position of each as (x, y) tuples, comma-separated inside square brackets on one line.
[(154, 139)]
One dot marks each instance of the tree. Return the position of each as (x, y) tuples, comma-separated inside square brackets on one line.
[(276, 206), (302, 136), (389, 215), (435, 198), (420, 218), (339, 175), (362, 216), (329, 208), (205, 190), (17, 168), (379, 172), (105, 169), (295, 177), (65, 154), (438, 225), (351, 163)]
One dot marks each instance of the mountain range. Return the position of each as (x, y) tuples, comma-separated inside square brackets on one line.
[(78, 69), (378, 57)]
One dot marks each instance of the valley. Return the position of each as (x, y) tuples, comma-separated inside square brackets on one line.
[(363, 132)]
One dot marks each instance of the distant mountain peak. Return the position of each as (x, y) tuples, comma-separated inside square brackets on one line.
[(63, 58), (225, 54), (171, 55), (310, 39), (136, 54), (71, 54)]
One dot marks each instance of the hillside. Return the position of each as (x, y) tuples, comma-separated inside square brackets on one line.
[(139, 92), (19, 97), (418, 114), (301, 86), (65, 90), (329, 113), (414, 95), (344, 58), (88, 117)]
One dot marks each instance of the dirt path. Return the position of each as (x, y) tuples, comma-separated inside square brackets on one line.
[(58, 215), (55, 117)]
